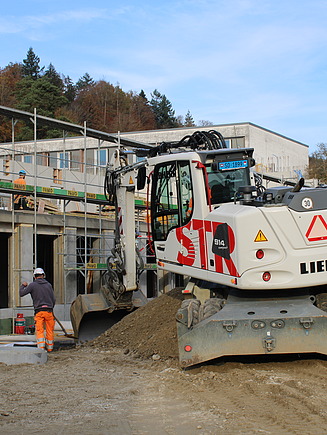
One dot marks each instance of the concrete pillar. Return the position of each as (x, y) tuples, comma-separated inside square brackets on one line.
[(58, 269), (96, 258), (70, 265), (23, 262)]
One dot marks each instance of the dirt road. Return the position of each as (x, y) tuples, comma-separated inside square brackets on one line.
[(94, 391), (116, 385)]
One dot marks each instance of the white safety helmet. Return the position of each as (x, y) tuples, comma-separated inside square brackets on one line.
[(38, 271)]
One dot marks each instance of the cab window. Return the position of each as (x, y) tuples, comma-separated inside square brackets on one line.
[(172, 192), (224, 183)]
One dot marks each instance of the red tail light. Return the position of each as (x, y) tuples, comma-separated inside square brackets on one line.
[(259, 254), (266, 276)]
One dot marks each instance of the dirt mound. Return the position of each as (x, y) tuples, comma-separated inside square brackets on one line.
[(147, 331)]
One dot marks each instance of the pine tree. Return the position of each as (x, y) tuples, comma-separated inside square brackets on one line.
[(84, 83), (45, 97), (163, 111), (69, 89), (189, 121), (54, 77), (31, 67), (143, 95)]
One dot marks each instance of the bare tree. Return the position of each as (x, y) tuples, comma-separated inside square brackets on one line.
[(318, 164)]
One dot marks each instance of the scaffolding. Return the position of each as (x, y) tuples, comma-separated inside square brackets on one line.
[(58, 190)]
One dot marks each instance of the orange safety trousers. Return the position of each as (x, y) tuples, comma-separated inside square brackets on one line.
[(44, 318)]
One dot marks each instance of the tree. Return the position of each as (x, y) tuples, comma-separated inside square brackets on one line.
[(101, 105), (143, 95), (69, 89), (318, 164), (54, 77), (42, 95), (108, 108), (204, 123), (144, 118), (189, 121), (9, 77), (31, 67), (163, 111), (84, 83)]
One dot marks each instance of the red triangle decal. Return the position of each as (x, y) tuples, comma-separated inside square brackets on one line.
[(317, 229)]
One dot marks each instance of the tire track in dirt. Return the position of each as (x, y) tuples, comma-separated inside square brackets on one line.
[(272, 400)]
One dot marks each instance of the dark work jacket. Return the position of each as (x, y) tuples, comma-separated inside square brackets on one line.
[(42, 294)]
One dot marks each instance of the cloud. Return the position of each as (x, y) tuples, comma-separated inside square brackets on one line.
[(18, 24)]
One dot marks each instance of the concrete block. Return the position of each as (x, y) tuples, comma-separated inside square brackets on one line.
[(11, 355)]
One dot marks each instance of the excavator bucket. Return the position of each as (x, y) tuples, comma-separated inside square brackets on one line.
[(91, 315)]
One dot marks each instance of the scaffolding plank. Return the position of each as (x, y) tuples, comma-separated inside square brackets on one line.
[(58, 193)]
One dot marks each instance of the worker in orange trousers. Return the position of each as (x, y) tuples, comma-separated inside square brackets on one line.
[(43, 301)]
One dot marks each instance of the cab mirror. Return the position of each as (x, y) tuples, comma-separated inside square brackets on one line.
[(141, 178)]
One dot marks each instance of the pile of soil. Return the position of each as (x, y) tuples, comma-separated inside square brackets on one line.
[(149, 331)]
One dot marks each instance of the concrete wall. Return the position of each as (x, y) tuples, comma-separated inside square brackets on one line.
[(274, 153), (291, 155)]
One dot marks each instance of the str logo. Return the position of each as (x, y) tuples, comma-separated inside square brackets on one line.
[(222, 245)]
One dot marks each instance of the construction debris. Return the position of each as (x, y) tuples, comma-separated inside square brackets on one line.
[(43, 205)]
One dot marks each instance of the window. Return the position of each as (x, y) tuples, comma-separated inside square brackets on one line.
[(89, 160), (102, 157), (238, 142), (28, 158), (53, 160), (76, 161), (224, 183), (42, 159), (185, 188), (172, 190), (64, 161)]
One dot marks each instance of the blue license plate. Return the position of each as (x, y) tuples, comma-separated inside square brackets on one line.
[(233, 164)]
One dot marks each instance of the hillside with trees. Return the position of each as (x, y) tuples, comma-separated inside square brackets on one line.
[(102, 105)]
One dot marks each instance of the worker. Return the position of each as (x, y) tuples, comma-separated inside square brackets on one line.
[(43, 301), (20, 201)]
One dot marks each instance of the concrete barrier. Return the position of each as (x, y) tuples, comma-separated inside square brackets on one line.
[(22, 355)]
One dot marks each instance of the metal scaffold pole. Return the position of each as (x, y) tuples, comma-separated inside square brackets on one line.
[(35, 184)]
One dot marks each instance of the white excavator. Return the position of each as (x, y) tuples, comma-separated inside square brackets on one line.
[(254, 259)]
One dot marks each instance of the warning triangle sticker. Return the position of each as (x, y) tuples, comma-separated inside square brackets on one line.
[(317, 229), (131, 180), (260, 237)]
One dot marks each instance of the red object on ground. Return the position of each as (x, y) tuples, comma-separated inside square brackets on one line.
[(20, 323)]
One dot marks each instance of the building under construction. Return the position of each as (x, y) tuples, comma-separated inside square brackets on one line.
[(67, 227)]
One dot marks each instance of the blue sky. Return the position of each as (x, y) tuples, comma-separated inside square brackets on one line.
[(225, 61)]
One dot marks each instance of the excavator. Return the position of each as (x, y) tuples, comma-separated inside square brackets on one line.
[(253, 258)]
